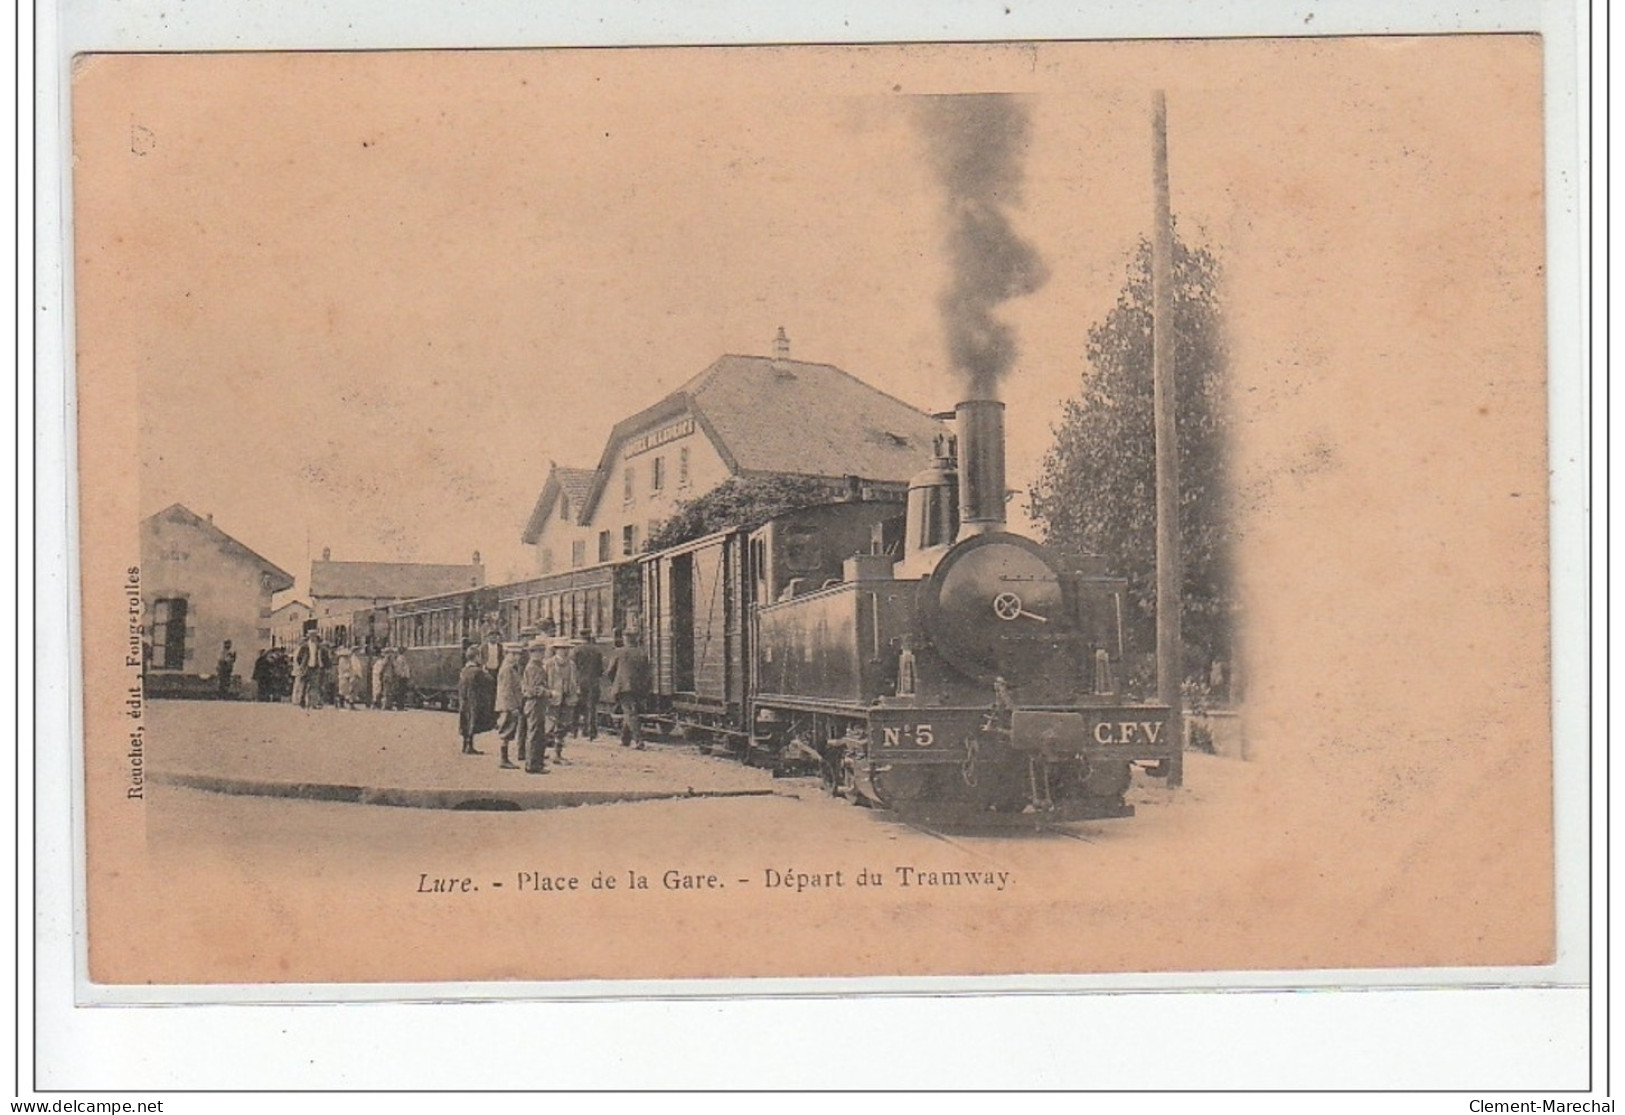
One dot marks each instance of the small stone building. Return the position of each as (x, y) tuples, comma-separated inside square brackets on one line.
[(288, 623), (200, 587)]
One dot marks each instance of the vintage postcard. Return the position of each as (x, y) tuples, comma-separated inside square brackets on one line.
[(697, 513)]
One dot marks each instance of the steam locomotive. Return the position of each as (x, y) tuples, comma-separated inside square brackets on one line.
[(919, 655), (932, 662)]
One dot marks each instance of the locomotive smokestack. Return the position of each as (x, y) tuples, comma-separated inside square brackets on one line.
[(981, 466)]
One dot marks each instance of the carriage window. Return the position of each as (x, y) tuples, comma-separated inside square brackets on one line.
[(802, 553)]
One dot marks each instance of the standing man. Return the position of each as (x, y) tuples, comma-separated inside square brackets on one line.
[(631, 682), (344, 689), (476, 701), (383, 676), (224, 668), (511, 705), (561, 695), (261, 677), (533, 688), (327, 682), (307, 671), (401, 688), (491, 650), (361, 667), (589, 666)]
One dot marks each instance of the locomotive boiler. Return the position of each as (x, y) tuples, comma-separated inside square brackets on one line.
[(967, 673)]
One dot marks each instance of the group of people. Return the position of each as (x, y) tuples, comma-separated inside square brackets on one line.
[(273, 675), (537, 693), (315, 674)]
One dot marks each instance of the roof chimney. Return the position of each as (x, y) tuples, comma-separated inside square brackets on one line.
[(781, 346), (210, 516), (327, 553)]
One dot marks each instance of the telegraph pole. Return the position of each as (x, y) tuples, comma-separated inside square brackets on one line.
[(1170, 665)]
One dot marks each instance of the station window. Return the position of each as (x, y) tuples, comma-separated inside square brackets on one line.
[(578, 554), (626, 485), (629, 540), (547, 559), (564, 508), (603, 545), (682, 467), (169, 633), (657, 474)]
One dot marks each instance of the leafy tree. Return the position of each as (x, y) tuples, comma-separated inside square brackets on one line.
[(740, 501), (1096, 493)]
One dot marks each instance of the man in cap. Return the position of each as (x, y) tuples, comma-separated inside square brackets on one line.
[(588, 661), (225, 667), (561, 694), (533, 690), (476, 701), (631, 681), (511, 704)]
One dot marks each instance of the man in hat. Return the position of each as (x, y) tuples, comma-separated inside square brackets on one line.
[(533, 690), (308, 662), (631, 681), (588, 661), (511, 704), (476, 701)]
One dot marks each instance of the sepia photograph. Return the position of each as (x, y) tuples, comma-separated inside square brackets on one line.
[(720, 513)]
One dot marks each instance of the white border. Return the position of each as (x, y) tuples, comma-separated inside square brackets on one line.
[(127, 1040)]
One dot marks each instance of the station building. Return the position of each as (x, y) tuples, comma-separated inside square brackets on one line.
[(200, 587), (743, 416)]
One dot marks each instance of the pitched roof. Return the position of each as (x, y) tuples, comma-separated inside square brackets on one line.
[(281, 579), (390, 580), (790, 416), (574, 483), (289, 606)]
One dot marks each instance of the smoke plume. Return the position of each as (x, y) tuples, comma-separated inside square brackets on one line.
[(976, 142)]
